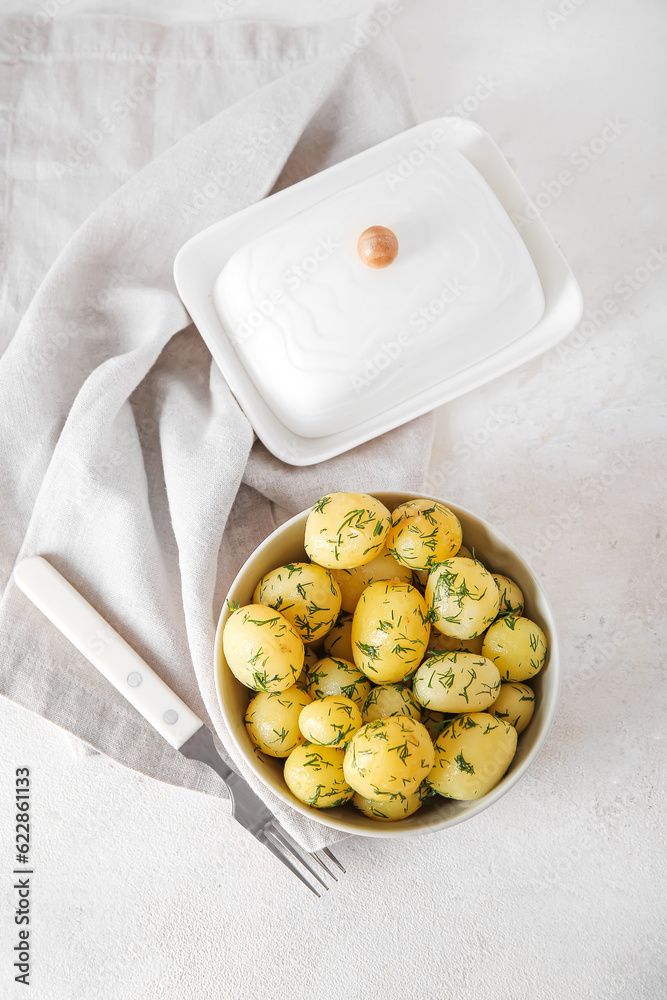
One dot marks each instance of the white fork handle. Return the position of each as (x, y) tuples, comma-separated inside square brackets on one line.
[(106, 650)]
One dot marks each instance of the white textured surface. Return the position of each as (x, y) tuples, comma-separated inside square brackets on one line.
[(146, 891)]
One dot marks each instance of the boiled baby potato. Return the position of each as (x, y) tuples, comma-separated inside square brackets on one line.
[(462, 597), (333, 675), (307, 595), (330, 721), (435, 722), (517, 646), (272, 720), (314, 774), (456, 682), (390, 699), (515, 705), (439, 643), (389, 810), (423, 533), (390, 631), (511, 595), (388, 757), (262, 649), (353, 582), (471, 755), (338, 640), (346, 529), (421, 575), (310, 658)]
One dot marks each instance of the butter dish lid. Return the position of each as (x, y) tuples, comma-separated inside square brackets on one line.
[(322, 350)]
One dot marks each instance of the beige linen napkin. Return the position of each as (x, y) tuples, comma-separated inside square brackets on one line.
[(124, 457)]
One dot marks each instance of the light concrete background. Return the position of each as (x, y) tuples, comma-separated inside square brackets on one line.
[(146, 891)]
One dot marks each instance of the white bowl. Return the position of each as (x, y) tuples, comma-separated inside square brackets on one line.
[(500, 556)]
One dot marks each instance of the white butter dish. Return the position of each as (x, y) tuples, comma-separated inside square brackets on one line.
[(323, 352)]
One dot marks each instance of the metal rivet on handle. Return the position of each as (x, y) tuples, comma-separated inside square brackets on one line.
[(170, 717), (134, 679)]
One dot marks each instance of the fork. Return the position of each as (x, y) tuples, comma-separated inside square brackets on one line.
[(131, 675)]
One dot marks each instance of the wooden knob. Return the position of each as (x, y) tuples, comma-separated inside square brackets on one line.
[(377, 246)]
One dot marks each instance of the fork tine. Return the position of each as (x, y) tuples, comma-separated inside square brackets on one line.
[(298, 850), (332, 856), (275, 830), (317, 858), (313, 854), (279, 853)]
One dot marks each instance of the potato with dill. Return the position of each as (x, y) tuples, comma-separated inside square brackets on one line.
[(310, 658), (272, 720), (314, 775), (423, 533), (472, 754), (389, 810), (386, 700), (262, 649), (515, 705), (333, 675), (390, 631), (456, 682), (517, 646), (346, 529), (421, 575), (330, 721), (463, 598), (511, 595), (353, 582), (338, 640), (307, 595), (388, 757), (435, 722)]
